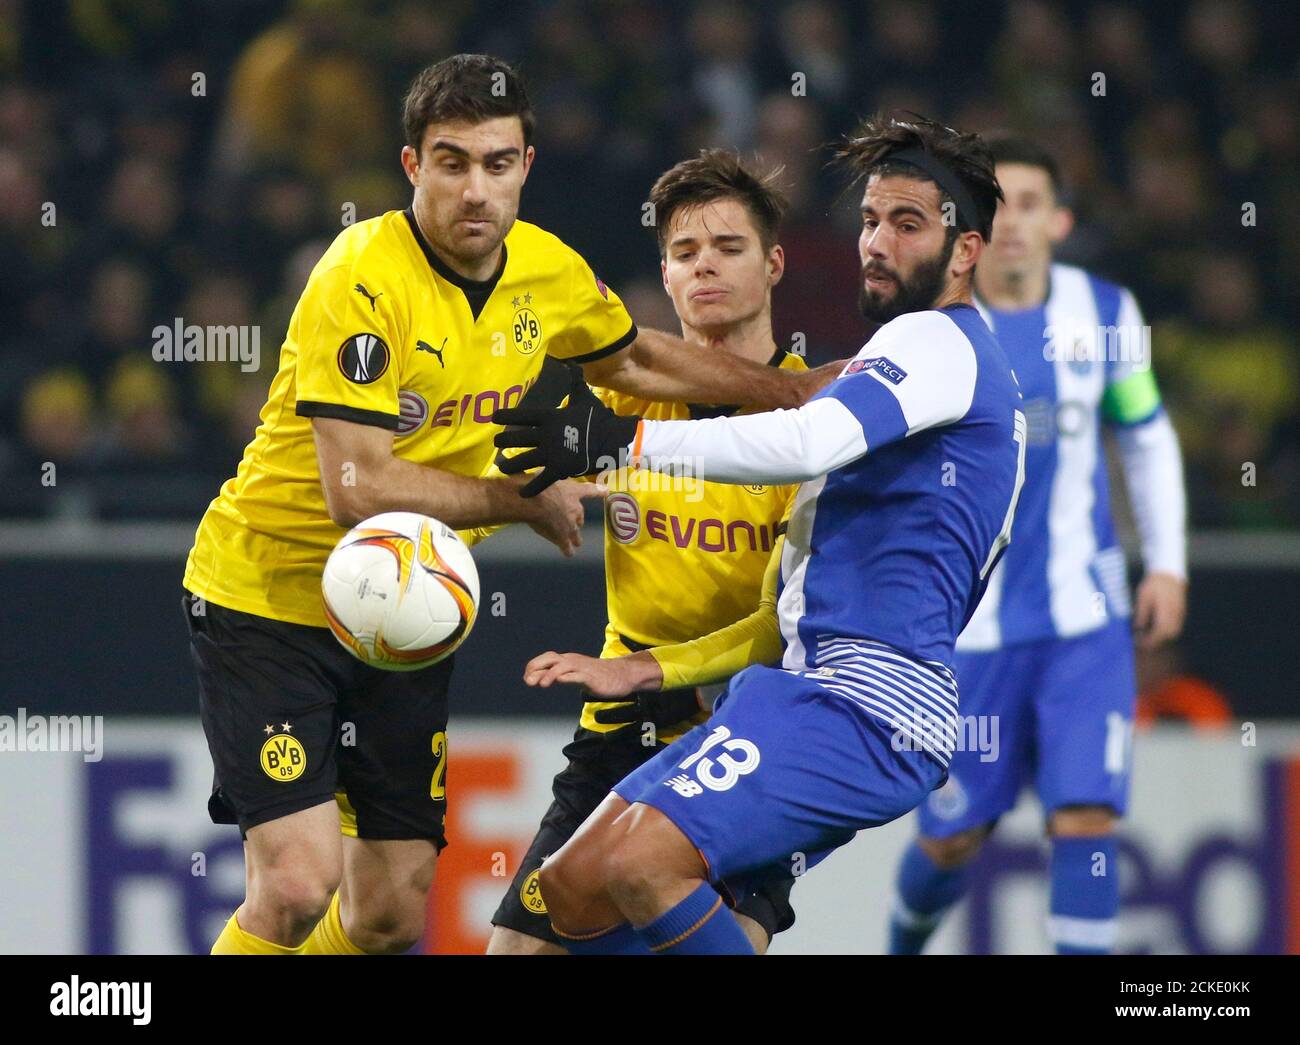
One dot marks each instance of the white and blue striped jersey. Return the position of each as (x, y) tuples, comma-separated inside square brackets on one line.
[(910, 465), (1080, 358)]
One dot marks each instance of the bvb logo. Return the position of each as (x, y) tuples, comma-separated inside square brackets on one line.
[(755, 488), (527, 331), (284, 758), (531, 896)]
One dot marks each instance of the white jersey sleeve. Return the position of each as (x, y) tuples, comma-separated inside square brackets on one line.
[(1153, 473), (918, 372)]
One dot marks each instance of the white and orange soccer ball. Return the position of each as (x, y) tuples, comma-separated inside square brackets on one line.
[(401, 591)]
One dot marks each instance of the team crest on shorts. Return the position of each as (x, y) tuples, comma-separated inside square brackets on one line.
[(283, 757), (530, 894)]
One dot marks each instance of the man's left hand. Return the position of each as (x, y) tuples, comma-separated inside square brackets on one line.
[(1160, 609), (579, 438)]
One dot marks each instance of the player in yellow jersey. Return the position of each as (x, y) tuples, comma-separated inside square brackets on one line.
[(683, 557), (413, 328)]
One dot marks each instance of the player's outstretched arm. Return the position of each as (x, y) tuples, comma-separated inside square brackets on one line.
[(585, 436), (712, 658), (360, 477), (930, 383), (662, 367), (715, 657)]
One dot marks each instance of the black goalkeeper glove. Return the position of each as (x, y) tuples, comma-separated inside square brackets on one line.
[(549, 390), (579, 438), (665, 708)]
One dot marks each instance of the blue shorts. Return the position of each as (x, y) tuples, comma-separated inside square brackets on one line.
[(782, 774), (1063, 711)]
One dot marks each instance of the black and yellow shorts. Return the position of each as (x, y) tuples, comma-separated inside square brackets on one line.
[(293, 720)]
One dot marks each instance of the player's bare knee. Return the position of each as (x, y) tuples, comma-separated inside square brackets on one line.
[(629, 873), (564, 881), (955, 850), (1082, 821), (392, 935), (298, 898)]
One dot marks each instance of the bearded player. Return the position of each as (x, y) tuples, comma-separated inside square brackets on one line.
[(1049, 652), (885, 561), (413, 328), (683, 557)]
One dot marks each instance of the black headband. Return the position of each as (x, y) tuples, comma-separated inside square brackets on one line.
[(968, 214)]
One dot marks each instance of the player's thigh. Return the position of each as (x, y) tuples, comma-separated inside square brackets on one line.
[(268, 697), (1085, 716), (995, 743), (393, 754), (784, 772), (596, 762), (386, 882), (513, 942), (573, 880), (295, 860)]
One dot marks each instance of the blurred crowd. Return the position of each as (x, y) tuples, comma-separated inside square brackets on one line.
[(165, 161)]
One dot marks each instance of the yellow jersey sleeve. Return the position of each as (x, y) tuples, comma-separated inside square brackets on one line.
[(594, 323), (349, 340), (478, 534), (715, 657)]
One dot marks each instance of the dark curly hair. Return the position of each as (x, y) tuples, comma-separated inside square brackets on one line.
[(868, 150)]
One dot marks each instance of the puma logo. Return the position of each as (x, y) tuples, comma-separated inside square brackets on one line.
[(372, 298), (424, 346)]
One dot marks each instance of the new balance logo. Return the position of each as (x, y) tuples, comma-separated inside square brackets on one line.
[(684, 786), (571, 439), (372, 298)]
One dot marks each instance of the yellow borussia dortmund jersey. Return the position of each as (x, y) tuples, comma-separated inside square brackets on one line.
[(386, 334), (683, 557)]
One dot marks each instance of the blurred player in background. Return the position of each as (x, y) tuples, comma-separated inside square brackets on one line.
[(414, 326), (1049, 651), (683, 557), (884, 563)]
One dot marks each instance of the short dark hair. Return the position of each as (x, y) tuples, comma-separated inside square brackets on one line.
[(867, 152), (470, 87), (718, 174), (1016, 148)]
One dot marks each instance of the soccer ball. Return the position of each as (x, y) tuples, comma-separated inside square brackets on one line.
[(400, 591)]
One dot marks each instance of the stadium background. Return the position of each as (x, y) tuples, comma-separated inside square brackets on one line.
[(199, 156)]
